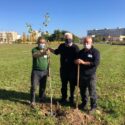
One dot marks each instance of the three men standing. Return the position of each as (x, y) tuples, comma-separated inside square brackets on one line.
[(70, 56)]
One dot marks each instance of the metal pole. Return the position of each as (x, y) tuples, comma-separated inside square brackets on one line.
[(51, 94), (77, 93)]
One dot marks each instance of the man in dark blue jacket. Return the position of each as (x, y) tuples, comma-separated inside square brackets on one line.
[(88, 59), (68, 52)]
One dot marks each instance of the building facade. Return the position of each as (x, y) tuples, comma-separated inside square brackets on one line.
[(117, 34), (8, 37)]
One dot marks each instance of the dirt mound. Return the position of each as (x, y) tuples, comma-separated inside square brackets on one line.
[(68, 116), (76, 117)]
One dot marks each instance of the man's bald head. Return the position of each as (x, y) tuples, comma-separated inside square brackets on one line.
[(88, 42)]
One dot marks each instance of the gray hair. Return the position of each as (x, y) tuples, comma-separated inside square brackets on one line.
[(69, 34)]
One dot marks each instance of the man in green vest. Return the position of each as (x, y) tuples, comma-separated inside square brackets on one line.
[(39, 70)]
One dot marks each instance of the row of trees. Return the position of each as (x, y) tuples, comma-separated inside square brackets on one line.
[(57, 35), (29, 38)]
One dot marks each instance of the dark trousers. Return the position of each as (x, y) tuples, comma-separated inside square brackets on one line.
[(88, 82), (67, 77), (38, 78)]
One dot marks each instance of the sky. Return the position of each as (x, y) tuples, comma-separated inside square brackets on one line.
[(76, 16)]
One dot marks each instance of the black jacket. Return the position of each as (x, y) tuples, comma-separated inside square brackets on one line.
[(67, 56), (93, 56)]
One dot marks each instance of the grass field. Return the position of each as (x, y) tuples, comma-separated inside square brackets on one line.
[(15, 70)]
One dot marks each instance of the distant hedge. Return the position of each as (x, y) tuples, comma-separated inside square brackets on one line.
[(118, 43)]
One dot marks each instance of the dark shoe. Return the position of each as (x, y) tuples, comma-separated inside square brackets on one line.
[(42, 100), (71, 102), (63, 101), (32, 104), (82, 106), (92, 110)]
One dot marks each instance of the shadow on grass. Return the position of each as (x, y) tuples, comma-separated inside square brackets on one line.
[(14, 96), (22, 97)]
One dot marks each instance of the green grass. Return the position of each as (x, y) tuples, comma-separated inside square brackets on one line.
[(15, 70)]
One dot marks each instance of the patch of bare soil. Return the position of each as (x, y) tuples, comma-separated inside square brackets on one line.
[(68, 116)]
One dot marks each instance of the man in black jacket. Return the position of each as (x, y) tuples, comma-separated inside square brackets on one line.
[(68, 52), (88, 59)]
